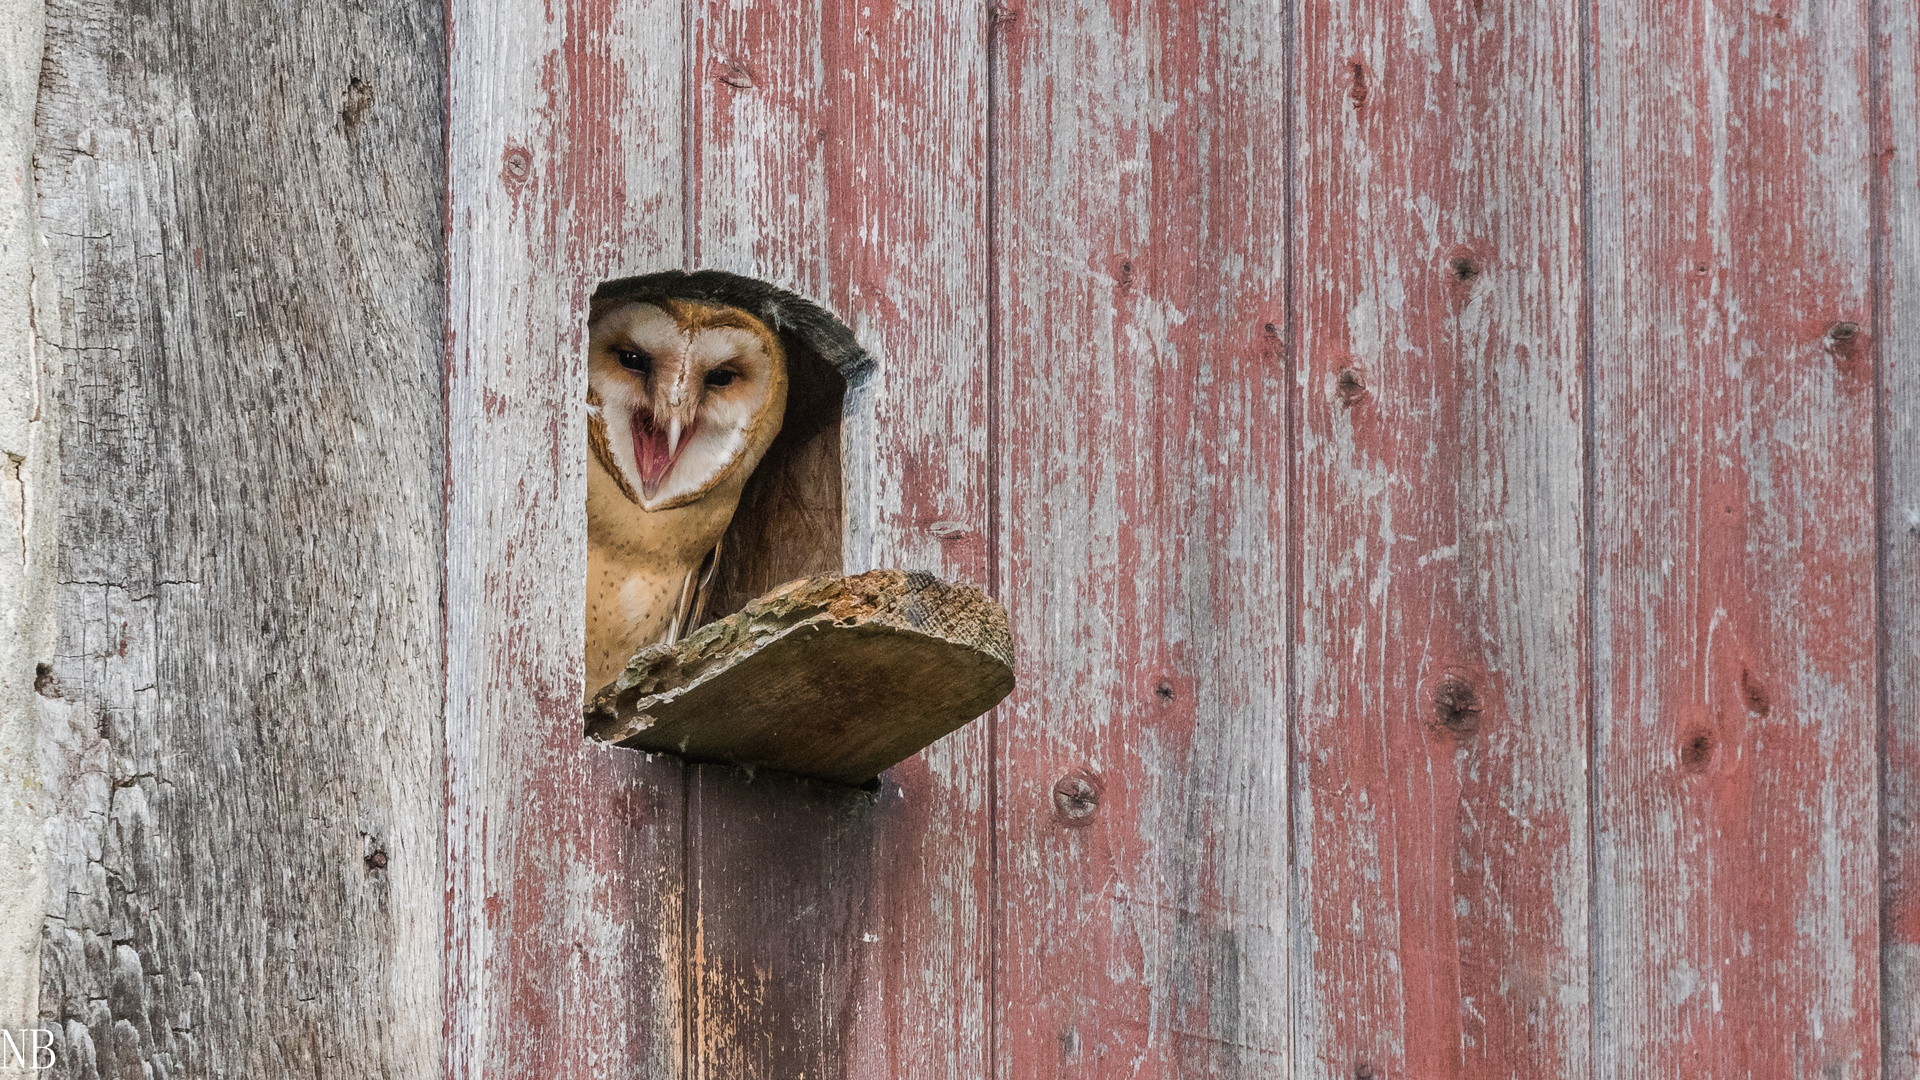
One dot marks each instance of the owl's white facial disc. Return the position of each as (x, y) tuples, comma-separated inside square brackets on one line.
[(686, 392)]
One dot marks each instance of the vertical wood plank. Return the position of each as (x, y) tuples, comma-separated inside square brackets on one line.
[(1441, 806), (30, 483), (1735, 540), (907, 109), (771, 904), (1140, 210), (1897, 341), (564, 887), (839, 150), (243, 205)]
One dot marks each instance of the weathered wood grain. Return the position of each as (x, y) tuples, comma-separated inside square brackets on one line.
[(839, 149), (1140, 205), (29, 522), (1896, 338), (1441, 807), (243, 205), (1734, 532), (272, 484), (782, 879), (834, 678), (564, 883)]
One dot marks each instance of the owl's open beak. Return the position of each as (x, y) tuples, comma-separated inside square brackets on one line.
[(655, 451)]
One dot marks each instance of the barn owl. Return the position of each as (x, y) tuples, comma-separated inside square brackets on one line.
[(683, 398)]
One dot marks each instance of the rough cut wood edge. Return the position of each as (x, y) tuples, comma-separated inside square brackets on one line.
[(749, 661)]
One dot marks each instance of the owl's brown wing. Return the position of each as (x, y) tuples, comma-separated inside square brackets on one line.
[(694, 592)]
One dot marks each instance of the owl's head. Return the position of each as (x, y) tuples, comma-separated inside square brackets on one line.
[(682, 395)]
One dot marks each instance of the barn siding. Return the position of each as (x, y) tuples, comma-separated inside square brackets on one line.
[(1734, 533), (767, 993), (1139, 228), (838, 147), (1896, 334), (565, 881), (242, 204), (1441, 815), (29, 561), (1440, 520)]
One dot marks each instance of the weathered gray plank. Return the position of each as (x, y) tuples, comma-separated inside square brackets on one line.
[(564, 871), (840, 150), (29, 501), (1734, 541), (1441, 813), (1897, 340), (243, 204), (1140, 197)]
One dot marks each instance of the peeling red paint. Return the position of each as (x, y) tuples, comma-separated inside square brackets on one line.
[(1105, 400)]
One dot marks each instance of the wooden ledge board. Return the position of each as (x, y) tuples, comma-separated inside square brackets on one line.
[(836, 678)]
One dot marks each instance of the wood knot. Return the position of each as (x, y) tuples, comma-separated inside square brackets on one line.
[(516, 165), (1456, 707), (355, 102), (1076, 797), (1754, 692), (1696, 749), (1464, 268), (1351, 386), (1359, 80), (734, 73), (1852, 350)]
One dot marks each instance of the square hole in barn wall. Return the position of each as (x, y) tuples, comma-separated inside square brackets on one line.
[(718, 626)]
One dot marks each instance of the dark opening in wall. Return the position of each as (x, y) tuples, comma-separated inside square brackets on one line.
[(792, 515), (716, 408)]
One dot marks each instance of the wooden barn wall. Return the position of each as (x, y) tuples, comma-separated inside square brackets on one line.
[(1452, 471), (1141, 769), (565, 859), (1895, 71), (715, 924), (840, 149), (242, 204), (1734, 541), (1441, 819)]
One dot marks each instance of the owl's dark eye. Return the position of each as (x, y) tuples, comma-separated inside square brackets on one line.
[(720, 377), (634, 360)]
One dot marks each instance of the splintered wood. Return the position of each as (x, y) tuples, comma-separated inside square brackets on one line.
[(835, 678)]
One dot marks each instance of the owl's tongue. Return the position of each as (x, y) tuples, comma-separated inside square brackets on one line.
[(651, 452)]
